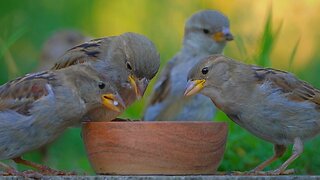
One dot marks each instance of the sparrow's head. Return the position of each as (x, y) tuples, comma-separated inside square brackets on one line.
[(209, 74), (130, 60), (207, 31), (139, 60), (96, 91)]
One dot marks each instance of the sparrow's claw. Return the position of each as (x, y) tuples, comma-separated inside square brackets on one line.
[(286, 172), (53, 172), (44, 170), (25, 174), (261, 173)]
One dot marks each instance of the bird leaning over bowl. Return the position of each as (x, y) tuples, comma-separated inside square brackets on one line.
[(57, 44), (54, 47), (206, 32), (36, 108), (274, 105), (130, 61)]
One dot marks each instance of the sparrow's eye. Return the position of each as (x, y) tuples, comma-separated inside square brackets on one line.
[(101, 85), (206, 31), (205, 70), (129, 66)]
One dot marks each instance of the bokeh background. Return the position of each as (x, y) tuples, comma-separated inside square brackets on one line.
[(281, 34)]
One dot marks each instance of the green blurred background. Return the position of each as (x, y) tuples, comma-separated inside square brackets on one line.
[(282, 34)]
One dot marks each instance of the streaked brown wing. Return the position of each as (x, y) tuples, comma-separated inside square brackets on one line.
[(86, 52), (293, 88), (20, 94)]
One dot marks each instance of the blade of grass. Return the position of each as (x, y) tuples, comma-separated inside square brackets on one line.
[(11, 40), (268, 40), (5, 53), (13, 71), (241, 47), (293, 55)]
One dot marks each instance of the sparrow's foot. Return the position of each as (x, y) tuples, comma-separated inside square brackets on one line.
[(286, 172), (52, 172), (25, 174), (45, 170), (263, 173)]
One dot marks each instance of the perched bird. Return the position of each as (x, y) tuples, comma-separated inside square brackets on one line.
[(274, 105), (206, 32), (37, 108), (129, 60), (54, 47), (57, 44)]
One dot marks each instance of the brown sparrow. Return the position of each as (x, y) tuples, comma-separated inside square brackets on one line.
[(129, 60), (206, 32), (36, 108), (274, 105)]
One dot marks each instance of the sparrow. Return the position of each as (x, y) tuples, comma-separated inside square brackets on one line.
[(273, 105), (129, 60), (57, 44), (36, 108), (54, 47), (206, 32)]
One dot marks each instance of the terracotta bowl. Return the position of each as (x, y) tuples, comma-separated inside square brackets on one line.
[(170, 148)]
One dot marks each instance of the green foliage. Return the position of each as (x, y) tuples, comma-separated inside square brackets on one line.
[(5, 55), (268, 40), (293, 55)]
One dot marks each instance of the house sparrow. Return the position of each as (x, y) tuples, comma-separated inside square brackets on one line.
[(274, 105), (129, 60), (57, 44), (206, 32), (37, 108), (54, 47)]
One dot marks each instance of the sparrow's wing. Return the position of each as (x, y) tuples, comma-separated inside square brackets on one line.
[(20, 94), (162, 87), (292, 88), (83, 53)]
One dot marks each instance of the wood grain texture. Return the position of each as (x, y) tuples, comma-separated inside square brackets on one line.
[(155, 147)]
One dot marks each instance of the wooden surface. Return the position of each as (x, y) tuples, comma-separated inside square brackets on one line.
[(295, 177), (155, 147)]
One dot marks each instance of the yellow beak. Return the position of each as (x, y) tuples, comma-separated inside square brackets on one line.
[(139, 86), (224, 35), (134, 86), (194, 87), (113, 102)]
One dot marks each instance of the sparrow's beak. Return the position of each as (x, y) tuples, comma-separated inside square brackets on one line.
[(139, 86), (194, 86), (113, 102), (224, 35)]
